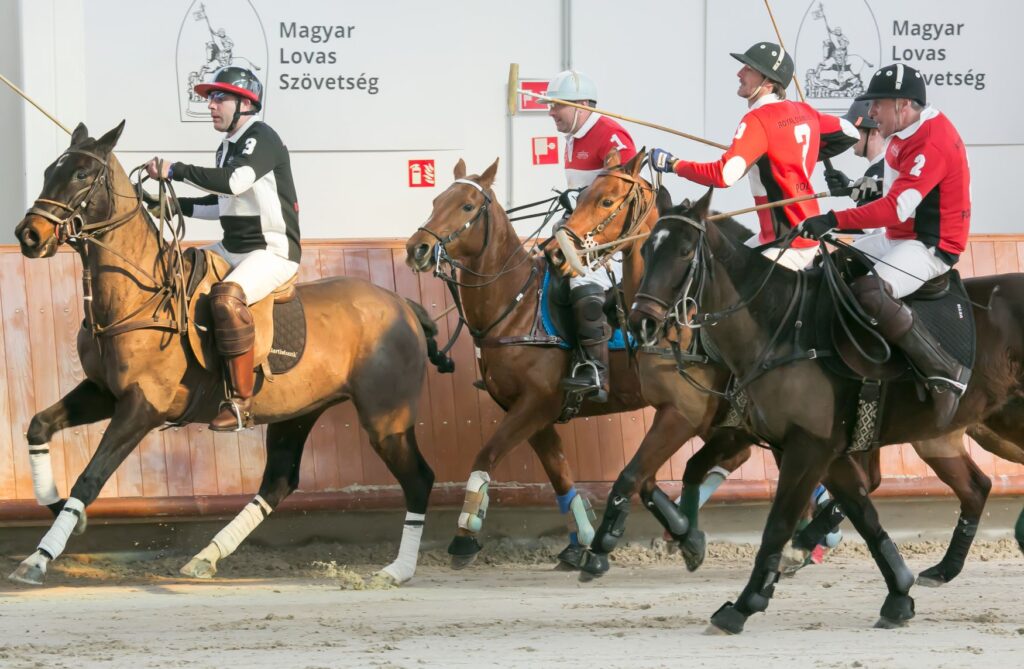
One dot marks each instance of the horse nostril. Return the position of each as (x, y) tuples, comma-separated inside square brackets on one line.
[(30, 238), (557, 259), (421, 251)]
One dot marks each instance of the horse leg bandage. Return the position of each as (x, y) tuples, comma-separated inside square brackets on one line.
[(228, 539), (714, 478), (580, 517), (474, 508), (42, 475), (404, 566), (56, 539)]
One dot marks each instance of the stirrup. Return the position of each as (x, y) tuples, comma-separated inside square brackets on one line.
[(242, 422), (586, 386), (942, 384)]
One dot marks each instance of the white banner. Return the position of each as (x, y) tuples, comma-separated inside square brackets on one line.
[(838, 45)]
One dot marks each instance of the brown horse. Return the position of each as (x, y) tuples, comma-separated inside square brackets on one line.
[(696, 401), (801, 405), (499, 293), (363, 343)]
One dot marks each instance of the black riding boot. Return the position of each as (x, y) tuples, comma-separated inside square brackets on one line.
[(946, 377), (593, 333)]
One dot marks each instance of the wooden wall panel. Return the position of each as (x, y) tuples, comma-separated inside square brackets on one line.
[(40, 302)]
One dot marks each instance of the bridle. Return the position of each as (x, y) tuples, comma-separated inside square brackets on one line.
[(80, 234)]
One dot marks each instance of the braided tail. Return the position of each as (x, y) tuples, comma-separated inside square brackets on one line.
[(444, 364)]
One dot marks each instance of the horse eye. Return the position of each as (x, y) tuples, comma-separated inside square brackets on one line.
[(607, 203), (467, 208), (81, 174)]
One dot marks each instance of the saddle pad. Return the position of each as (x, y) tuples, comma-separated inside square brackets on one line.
[(950, 318), (289, 336), (616, 343)]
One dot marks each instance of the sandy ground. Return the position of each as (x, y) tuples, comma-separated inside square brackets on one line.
[(308, 608)]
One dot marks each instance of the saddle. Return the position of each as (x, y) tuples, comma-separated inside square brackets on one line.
[(279, 318), (556, 312)]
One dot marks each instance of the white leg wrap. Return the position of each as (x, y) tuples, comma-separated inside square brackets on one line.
[(714, 478), (404, 566), (42, 475), (247, 520), (475, 507), (57, 538), (584, 517)]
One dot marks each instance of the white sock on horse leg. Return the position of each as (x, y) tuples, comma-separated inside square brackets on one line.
[(42, 475), (404, 566), (714, 478), (247, 520), (56, 539), (476, 501)]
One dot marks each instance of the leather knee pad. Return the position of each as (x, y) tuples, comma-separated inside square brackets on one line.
[(893, 317), (588, 307), (233, 326)]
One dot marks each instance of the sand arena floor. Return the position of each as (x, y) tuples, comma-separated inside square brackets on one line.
[(310, 607)]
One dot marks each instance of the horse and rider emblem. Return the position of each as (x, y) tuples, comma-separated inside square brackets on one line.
[(837, 44)]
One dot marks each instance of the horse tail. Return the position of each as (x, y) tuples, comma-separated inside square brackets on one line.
[(444, 364)]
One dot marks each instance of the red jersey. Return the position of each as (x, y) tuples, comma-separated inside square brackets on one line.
[(586, 149), (776, 145), (927, 187)]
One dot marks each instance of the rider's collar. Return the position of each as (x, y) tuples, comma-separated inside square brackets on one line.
[(766, 99), (241, 130), (927, 114), (587, 125)]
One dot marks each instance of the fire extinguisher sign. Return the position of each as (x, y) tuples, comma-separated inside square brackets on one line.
[(421, 173), (545, 150)]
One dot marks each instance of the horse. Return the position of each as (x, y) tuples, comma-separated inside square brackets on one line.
[(803, 407), (470, 231), (698, 390), (363, 344)]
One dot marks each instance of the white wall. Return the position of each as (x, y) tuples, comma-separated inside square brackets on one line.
[(442, 69)]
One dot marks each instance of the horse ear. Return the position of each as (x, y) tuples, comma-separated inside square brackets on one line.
[(106, 143), (702, 206), (634, 165), (613, 159), (460, 169), (80, 134), (663, 200), (487, 178)]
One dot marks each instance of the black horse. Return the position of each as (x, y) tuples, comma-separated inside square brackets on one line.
[(802, 406)]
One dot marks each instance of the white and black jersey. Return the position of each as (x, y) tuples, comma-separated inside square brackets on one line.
[(252, 192)]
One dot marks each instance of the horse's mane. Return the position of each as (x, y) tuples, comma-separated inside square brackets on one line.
[(733, 228)]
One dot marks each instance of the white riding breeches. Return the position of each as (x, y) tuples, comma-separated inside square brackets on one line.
[(794, 259), (905, 264), (258, 272), (599, 276)]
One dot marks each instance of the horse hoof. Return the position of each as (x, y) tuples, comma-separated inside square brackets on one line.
[(199, 568), (931, 578), (887, 624), (462, 561), (712, 630), (571, 558), (694, 549), (81, 525), (28, 573), (595, 565), (727, 619), (793, 560), (383, 580), (463, 551)]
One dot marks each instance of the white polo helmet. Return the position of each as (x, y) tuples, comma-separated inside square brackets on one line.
[(572, 86)]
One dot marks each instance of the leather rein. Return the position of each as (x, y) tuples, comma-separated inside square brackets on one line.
[(81, 235)]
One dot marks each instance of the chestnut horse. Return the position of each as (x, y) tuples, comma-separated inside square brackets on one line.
[(363, 343), (692, 402), (802, 407), (499, 292)]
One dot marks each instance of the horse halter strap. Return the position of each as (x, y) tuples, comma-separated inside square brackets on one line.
[(72, 225), (631, 198), (483, 210)]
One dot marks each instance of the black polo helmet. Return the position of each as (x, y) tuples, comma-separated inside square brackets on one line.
[(896, 81), (857, 114), (769, 59), (235, 80)]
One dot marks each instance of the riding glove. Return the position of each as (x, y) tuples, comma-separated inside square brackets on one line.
[(663, 161), (838, 183), (817, 226), (866, 189)]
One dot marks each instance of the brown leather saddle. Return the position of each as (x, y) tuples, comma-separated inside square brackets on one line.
[(209, 268)]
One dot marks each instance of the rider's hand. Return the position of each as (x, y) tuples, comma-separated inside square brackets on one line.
[(161, 173), (662, 161), (838, 183), (866, 189), (153, 205), (816, 227)]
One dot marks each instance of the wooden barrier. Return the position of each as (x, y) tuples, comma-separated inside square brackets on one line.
[(192, 471)]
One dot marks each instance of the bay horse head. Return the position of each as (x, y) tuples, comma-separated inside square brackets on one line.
[(78, 193), (612, 207), (673, 272), (459, 225)]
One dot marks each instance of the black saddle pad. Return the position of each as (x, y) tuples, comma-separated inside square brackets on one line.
[(289, 335), (949, 317)]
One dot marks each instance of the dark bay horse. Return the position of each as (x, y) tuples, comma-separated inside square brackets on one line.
[(691, 403), (499, 291), (802, 407), (363, 343)]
